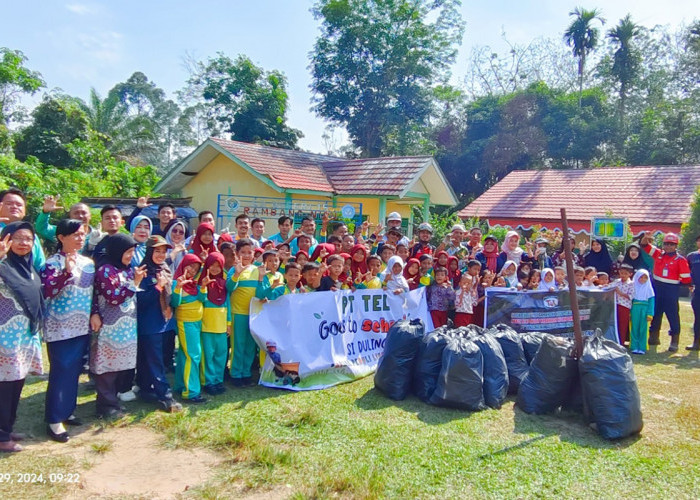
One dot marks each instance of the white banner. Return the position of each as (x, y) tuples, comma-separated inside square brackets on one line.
[(320, 339)]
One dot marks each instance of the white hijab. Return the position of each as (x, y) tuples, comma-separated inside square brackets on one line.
[(512, 280), (642, 291), (544, 287), (395, 281), (514, 255)]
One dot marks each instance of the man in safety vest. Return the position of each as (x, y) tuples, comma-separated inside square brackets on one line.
[(670, 271)]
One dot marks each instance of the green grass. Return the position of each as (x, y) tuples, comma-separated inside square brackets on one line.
[(349, 441)]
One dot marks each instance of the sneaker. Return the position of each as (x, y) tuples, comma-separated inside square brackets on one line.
[(170, 406), (126, 396), (210, 389), (220, 389)]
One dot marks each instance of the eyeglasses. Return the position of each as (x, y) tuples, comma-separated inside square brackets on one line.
[(178, 231)]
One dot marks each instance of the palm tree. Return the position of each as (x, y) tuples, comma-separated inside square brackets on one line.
[(127, 137), (582, 37), (626, 60)]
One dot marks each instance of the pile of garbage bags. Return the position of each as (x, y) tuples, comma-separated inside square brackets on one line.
[(472, 368)]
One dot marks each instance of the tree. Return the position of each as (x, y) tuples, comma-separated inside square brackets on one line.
[(15, 79), (375, 63), (691, 229), (626, 62), (582, 37), (56, 122), (245, 100)]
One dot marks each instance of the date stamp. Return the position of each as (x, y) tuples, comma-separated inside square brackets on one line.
[(38, 478)]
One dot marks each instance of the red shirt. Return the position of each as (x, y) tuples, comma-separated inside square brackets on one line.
[(669, 268)]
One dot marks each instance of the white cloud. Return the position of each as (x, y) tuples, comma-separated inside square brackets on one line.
[(104, 47), (80, 8)]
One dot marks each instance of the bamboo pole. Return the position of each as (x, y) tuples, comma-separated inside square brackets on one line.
[(573, 296)]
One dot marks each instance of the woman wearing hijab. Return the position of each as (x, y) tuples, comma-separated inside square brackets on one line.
[(489, 257), (598, 256), (21, 316), (642, 312), (175, 234), (153, 313), (141, 228), (68, 279), (510, 250), (113, 349), (634, 257)]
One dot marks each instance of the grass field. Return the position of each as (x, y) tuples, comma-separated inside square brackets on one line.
[(351, 442)]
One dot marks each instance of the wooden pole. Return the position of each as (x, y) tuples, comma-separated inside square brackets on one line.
[(573, 296)]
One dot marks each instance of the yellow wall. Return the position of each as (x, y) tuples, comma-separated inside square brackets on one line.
[(223, 176)]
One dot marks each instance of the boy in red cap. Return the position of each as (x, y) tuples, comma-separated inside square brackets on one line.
[(670, 271)]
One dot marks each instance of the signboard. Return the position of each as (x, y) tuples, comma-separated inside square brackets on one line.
[(320, 339), (270, 209), (550, 312), (609, 228)]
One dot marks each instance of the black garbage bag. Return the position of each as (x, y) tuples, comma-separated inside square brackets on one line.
[(495, 370), (461, 377), (395, 369), (429, 362), (610, 393), (574, 401), (514, 354), (531, 343), (550, 377)]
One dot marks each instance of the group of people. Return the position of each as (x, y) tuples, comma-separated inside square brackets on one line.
[(117, 296)]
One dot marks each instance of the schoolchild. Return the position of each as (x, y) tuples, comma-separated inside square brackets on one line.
[(188, 315), (301, 258), (412, 273), (509, 274), (464, 301), (642, 311), (548, 282), (311, 276), (602, 279), (242, 284), (331, 282), (394, 280), (560, 277), (427, 272), (269, 277), (359, 261), (203, 241), (292, 276), (370, 279), (624, 292), (214, 295), (579, 275), (403, 251), (440, 296)]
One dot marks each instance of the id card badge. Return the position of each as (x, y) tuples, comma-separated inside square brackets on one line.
[(664, 273)]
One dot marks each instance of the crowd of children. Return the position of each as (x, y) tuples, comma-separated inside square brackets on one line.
[(125, 298)]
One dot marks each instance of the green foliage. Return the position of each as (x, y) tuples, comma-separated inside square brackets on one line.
[(56, 122), (374, 66), (247, 101), (15, 79), (691, 229)]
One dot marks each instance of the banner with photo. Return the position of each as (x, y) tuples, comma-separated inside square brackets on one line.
[(550, 312), (320, 339)]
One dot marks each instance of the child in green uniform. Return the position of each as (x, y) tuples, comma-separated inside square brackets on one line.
[(242, 284), (269, 278), (214, 296), (642, 312), (188, 315)]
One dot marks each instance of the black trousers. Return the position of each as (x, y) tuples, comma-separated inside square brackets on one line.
[(9, 401), (150, 371), (66, 360), (169, 349), (106, 386)]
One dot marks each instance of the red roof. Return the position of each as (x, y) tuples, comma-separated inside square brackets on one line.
[(292, 169), (657, 195), (287, 168)]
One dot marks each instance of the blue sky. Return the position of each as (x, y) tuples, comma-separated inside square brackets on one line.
[(81, 44)]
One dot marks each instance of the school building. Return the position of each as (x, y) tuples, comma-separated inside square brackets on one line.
[(230, 178), (654, 198)]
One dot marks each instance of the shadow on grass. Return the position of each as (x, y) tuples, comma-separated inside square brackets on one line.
[(657, 355), (432, 415)]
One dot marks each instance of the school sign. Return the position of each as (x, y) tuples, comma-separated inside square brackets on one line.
[(317, 340)]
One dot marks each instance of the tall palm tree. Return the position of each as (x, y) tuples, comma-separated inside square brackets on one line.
[(582, 37), (127, 137), (626, 60)]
